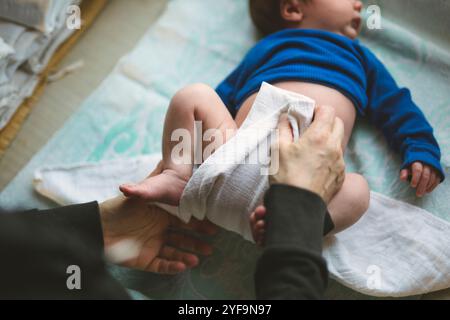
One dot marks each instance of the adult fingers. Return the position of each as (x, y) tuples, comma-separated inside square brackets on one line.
[(166, 267), (323, 119), (284, 129), (172, 254), (341, 174), (202, 227), (190, 243), (338, 132)]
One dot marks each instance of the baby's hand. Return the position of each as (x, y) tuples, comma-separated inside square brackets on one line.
[(423, 177)]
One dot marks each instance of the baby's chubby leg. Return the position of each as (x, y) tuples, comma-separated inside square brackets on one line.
[(350, 203), (346, 208), (197, 102)]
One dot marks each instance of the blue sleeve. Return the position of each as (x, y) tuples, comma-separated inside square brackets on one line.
[(403, 124)]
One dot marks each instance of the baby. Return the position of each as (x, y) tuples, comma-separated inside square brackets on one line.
[(310, 49)]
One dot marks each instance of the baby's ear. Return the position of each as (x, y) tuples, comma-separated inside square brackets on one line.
[(291, 10)]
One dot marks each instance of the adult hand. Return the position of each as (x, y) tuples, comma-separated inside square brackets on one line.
[(148, 233), (314, 162)]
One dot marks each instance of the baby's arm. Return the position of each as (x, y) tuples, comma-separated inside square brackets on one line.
[(405, 127)]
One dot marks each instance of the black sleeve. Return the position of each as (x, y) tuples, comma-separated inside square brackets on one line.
[(37, 248), (291, 265)]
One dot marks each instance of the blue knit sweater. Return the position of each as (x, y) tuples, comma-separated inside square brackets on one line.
[(337, 62)]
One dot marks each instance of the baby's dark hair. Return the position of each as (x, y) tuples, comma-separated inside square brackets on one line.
[(266, 15)]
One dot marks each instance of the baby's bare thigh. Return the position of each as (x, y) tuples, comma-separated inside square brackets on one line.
[(210, 110)]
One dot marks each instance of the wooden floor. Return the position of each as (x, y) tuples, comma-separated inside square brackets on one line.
[(114, 33)]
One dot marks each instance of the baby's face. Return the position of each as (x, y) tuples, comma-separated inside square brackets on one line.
[(338, 16)]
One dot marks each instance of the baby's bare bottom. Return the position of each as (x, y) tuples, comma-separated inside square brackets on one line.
[(352, 201)]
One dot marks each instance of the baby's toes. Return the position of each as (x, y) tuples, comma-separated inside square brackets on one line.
[(260, 213), (128, 190), (259, 232), (260, 225), (141, 190), (260, 237)]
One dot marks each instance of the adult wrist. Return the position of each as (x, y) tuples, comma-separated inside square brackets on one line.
[(302, 184), (295, 216)]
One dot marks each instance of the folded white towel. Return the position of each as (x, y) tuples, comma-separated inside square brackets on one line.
[(395, 250), (20, 86), (24, 53), (43, 15), (5, 50)]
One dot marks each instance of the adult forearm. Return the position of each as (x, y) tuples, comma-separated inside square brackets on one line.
[(291, 266), (40, 246)]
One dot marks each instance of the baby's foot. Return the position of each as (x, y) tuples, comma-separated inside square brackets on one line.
[(258, 225), (166, 187)]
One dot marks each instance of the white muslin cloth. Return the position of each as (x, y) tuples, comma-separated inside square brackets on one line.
[(231, 183), (396, 249)]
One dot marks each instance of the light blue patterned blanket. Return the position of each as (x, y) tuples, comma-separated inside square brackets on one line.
[(202, 41)]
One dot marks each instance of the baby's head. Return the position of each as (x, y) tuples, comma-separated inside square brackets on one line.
[(337, 16)]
